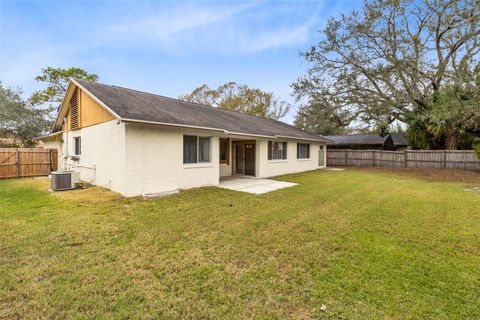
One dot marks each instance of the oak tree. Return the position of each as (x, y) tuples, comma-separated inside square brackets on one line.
[(389, 62), (240, 98)]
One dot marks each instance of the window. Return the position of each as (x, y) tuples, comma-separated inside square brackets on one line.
[(196, 149), (277, 150), (224, 151), (204, 149), (303, 151), (77, 144)]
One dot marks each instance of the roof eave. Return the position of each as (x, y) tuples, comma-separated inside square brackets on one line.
[(193, 127), (303, 138), (359, 143), (218, 130), (51, 135)]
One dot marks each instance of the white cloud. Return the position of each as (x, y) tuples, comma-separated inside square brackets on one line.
[(218, 29), (273, 39), (163, 25), (105, 34)]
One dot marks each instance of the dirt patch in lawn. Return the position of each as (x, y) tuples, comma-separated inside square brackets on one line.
[(87, 195), (427, 174)]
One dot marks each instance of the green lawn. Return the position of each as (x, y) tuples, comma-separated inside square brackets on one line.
[(367, 245)]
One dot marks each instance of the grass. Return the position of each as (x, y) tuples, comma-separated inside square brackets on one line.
[(364, 244)]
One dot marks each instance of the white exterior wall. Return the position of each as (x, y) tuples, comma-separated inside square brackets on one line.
[(271, 168), (154, 160), (102, 159), (55, 143), (137, 159)]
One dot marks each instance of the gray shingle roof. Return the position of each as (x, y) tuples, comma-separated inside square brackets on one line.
[(358, 139), (399, 139), (141, 106)]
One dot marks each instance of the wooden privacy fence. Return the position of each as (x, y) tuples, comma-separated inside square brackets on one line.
[(25, 162), (439, 159)]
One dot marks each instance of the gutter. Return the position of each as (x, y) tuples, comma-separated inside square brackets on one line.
[(309, 139), (217, 129), (195, 127), (171, 124)]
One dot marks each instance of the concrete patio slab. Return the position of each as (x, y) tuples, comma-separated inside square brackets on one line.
[(258, 189), (334, 169), (253, 185), (281, 184)]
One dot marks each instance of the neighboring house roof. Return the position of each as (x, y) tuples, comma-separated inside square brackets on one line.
[(51, 136), (137, 106), (399, 139), (371, 138), (8, 140)]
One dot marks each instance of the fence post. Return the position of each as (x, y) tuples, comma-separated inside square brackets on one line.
[(406, 158), (346, 157), (17, 164), (374, 158), (445, 159)]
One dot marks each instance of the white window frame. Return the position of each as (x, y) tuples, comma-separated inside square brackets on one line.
[(198, 162), (268, 151), (309, 151)]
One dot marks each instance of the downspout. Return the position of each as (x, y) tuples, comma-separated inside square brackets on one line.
[(65, 157)]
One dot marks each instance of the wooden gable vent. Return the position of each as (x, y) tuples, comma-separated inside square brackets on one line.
[(74, 119)]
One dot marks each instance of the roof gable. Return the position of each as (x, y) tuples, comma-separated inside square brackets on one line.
[(90, 100)]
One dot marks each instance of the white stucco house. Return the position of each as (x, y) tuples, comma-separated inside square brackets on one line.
[(138, 143)]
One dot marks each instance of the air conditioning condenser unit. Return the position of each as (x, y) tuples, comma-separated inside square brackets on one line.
[(65, 180)]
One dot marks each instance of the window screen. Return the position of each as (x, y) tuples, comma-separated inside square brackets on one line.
[(204, 149), (189, 149), (196, 149), (303, 151), (277, 150)]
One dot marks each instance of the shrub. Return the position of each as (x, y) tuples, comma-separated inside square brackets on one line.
[(476, 146)]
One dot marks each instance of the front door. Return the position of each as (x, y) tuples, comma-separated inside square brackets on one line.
[(245, 158), (249, 156)]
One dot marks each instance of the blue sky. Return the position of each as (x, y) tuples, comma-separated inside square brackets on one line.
[(164, 47)]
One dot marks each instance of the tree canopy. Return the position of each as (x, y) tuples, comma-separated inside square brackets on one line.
[(27, 119), (240, 98), (57, 80), (19, 118), (395, 60)]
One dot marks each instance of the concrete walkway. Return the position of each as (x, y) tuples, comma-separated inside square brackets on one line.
[(252, 184)]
